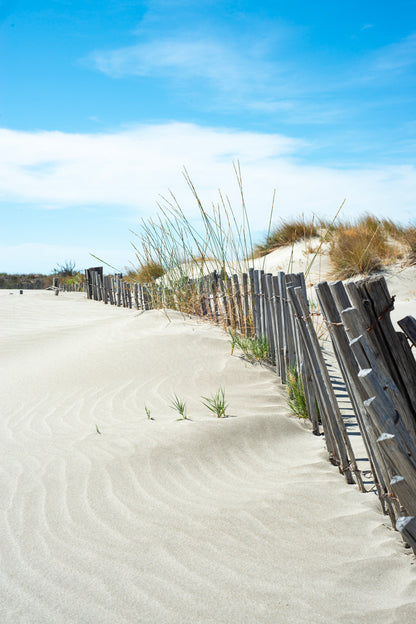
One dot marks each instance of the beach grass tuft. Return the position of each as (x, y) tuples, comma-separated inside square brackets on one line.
[(296, 394), (288, 232), (216, 403), (179, 406), (359, 248)]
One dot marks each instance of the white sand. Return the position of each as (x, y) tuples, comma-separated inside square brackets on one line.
[(239, 520)]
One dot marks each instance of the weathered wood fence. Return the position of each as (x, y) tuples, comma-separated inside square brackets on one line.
[(376, 362)]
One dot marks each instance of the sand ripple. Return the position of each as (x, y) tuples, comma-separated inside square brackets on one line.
[(227, 521)]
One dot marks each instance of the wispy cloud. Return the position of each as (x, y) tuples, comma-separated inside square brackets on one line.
[(192, 59), (132, 167), (396, 56), (272, 73)]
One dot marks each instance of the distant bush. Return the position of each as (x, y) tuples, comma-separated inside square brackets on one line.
[(26, 281), (65, 270)]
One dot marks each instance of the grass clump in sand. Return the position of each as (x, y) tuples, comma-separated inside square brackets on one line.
[(254, 348), (146, 273), (409, 239), (296, 400), (359, 247), (179, 406), (216, 403), (288, 233)]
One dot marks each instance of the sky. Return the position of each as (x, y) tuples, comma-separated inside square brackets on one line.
[(104, 103)]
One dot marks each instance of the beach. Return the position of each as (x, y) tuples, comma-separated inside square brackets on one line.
[(111, 517)]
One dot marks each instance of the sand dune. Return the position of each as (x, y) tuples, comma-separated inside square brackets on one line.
[(238, 520)]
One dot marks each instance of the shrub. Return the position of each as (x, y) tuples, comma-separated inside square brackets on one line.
[(65, 270)]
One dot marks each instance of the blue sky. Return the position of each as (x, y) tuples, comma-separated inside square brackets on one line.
[(102, 104)]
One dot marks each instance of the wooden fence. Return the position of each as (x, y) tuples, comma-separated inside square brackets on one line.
[(376, 362)]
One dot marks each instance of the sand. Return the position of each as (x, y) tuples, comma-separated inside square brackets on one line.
[(236, 520)]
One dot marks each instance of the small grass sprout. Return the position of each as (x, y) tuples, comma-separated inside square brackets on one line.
[(216, 403), (179, 406), (97, 430), (147, 410)]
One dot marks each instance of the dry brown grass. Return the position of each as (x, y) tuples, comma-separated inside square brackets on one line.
[(409, 240), (359, 248), (287, 233), (146, 273)]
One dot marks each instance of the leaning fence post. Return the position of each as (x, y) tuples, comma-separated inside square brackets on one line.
[(407, 527)]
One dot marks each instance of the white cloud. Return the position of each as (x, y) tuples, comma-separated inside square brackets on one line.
[(131, 168)]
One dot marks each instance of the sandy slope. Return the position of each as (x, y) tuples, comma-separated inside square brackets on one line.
[(240, 520)]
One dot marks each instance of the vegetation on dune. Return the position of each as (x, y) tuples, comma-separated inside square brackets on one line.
[(146, 273), (287, 233), (296, 400), (179, 252), (409, 239), (216, 403), (179, 406), (368, 244), (359, 247), (254, 348)]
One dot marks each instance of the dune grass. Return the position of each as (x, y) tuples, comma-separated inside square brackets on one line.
[(356, 247), (176, 253), (145, 273), (408, 237), (254, 348), (287, 233), (179, 406), (184, 251), (296, 399), (359, 247), (216, 403), (368, 244)]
